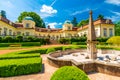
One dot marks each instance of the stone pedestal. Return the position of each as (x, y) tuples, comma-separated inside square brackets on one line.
[(91, 39)]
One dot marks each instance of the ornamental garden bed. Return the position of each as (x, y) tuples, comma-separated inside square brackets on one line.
[(20, 63)]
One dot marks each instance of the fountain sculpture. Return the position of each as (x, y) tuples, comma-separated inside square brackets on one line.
[(91, 39)]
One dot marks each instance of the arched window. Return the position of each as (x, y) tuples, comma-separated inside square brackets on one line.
[(19, 33), (10, 32), (27, 25), (69, 28), (27, 33), (105, 32)]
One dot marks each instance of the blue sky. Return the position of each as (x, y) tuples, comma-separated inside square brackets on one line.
[(55, 12)]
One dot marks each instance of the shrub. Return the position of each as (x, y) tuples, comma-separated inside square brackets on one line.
[(0, 39), (79, 47), (64, 41), (19, 56), (20, 63), (30, 39), (7, 39), (69, 73), (42, 41), (13, 67), (104, 47), (4, 44), (30, 44), (50, 50), (114, 40), (102, 39), (19, 38), (58, 48), (66, 47), (78, 43), (43, 51)]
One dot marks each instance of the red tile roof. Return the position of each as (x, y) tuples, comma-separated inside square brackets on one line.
[(99, 21)]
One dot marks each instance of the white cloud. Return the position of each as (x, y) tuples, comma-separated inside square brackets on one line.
[(116, 13), (54, 24), (53, 2), (48, 9), (59, 23), (115, 2), (79, 12), (115, 17)]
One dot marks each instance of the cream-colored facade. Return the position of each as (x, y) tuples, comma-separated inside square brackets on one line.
[(103, 28)]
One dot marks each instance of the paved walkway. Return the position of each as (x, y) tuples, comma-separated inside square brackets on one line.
[(48, 70)]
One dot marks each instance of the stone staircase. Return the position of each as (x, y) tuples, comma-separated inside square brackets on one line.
[(54, 42)]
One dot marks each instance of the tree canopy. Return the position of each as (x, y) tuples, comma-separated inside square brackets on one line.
[(39, 22), (74, 22), (117, 28), (3, 13), (83, 22), (100, 16)]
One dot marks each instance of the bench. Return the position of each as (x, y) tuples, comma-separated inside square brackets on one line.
[(15, 45)]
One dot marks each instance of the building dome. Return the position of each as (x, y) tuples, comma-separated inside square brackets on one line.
[(28, 18), (67, 22)]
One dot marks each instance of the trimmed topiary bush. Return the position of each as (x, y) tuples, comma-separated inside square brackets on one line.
[(66, 47), (114, 40), (20, 63), (79, 43), (69, 73), (13, 67)]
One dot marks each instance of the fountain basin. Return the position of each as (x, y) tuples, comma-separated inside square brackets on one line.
[(63, 58)]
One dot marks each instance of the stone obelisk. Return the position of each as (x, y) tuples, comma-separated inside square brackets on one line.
[(91, 39)]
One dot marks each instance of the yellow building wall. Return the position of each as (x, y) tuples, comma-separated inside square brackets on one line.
[(7, 26), (67, 27), (31, 23), (24, 31), (107, 26)]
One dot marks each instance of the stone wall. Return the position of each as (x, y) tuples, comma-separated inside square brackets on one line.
[(59, 63), (107, 68), (85, 66)]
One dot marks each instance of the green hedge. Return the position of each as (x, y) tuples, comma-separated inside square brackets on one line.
[(20, 63), (19, 56), (13, 67), (23, 44), (31, 44), (50, 50), (79, 43), (69, 73)]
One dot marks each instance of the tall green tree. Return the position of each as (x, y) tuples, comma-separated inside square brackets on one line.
[(117, 28), (3, 13), (74, 22), (39, 22), (83, 22), (100, 16)]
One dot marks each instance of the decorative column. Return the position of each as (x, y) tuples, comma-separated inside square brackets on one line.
[(91, 39)]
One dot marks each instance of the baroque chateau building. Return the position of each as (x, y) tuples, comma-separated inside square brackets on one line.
[(103, 28)]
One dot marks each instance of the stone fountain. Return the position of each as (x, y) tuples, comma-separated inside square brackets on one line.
[(90, 60)]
